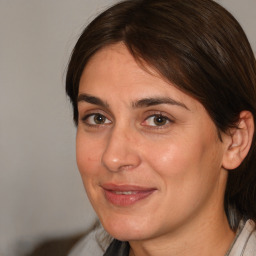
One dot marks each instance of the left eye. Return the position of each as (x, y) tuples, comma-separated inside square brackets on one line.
[(156, 120), (96, 119)]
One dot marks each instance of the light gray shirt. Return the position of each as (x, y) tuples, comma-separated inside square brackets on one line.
[(244, 243), (245, 240)]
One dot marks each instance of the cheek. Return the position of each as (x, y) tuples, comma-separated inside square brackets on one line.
[(175, 156), (88, 155), (187, 172), (185, 164)]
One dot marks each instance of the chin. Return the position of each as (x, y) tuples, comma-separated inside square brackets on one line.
[(126, 229)]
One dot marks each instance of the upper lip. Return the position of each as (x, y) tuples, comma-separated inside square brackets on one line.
[(125, 187)]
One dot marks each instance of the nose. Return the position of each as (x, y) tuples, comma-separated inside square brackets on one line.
[(121, 151)]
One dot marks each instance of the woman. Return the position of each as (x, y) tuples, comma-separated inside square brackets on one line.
[(164, 99)]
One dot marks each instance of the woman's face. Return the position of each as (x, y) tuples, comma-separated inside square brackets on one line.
[(149, 155)]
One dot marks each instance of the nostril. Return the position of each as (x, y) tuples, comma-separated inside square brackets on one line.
[(124, 161), (126, 167), (120, 153)]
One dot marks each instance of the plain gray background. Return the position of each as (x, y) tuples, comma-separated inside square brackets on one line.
[(41, 194)]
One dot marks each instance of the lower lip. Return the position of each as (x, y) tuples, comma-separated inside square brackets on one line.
[(119, 199)]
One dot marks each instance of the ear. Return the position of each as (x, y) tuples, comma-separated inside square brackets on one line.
[(238, 141)]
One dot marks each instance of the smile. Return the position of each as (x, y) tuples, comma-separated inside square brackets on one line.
[(124, 192), (125, 195)]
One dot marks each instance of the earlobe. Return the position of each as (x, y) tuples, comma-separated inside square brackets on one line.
[(239, 142)]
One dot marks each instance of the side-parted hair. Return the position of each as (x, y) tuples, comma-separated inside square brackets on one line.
[(199, 47)]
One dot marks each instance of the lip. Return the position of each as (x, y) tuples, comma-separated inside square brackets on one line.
[(126, 195)]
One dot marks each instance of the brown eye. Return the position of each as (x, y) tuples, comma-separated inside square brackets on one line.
[(99, 119), (160, 120), (156, 120), (96, 119)]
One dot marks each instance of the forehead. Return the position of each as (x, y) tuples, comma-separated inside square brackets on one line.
[(116, 62), (114, 73)]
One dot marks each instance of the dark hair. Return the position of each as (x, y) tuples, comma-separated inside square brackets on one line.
[(201, 48)]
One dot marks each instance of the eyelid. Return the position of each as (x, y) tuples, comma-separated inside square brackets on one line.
[(170, 119), (96, 114), (91, 113)]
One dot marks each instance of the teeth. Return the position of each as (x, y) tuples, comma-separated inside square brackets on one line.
[(124, 192)]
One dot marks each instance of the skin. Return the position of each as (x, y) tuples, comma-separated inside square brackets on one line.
[(180, 156)]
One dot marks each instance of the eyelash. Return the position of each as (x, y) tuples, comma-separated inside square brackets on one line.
[(95, 115), (86, 120), (154, 117)]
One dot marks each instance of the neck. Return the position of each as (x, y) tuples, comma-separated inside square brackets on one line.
[(205, 238)]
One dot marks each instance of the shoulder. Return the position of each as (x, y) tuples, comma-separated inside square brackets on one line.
[(94, 243), (245, 242)]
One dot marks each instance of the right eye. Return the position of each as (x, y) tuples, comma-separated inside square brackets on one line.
[(96, 119)]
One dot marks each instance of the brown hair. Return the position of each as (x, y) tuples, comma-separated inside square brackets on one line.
[(198, 46)]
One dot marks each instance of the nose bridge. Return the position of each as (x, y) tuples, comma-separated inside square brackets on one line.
[(121, 152)]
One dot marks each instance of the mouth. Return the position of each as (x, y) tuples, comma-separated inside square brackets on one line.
[(125, 195)]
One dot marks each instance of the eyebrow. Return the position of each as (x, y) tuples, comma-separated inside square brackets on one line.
[(92, 100), (146, 102)]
